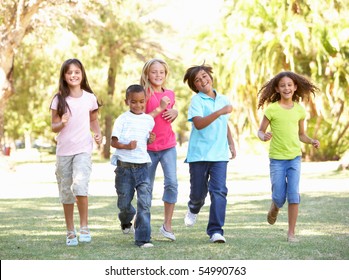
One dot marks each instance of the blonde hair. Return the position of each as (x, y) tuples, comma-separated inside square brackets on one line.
[(145, 73)]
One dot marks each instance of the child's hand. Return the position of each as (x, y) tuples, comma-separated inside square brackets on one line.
[(152, 137), (164, 102), (65, 118), (315, 143), (170, 115), (227, 109), (132, 145), (232, 151), (268, 136), (98, 138)]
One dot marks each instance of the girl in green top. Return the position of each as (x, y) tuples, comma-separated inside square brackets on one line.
[(286, 119)]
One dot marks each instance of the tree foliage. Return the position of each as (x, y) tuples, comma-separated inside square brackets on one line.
[(258, 39), (118, 34), (253, 41)]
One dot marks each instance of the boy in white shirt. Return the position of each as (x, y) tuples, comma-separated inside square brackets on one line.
[(130, 135)]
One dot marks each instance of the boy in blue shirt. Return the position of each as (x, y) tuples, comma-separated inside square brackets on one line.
[(208, 150)]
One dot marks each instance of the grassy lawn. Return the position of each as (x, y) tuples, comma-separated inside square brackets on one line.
[(33, 229)]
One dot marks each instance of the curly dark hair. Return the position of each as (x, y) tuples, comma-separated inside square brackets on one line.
[(267, 94)]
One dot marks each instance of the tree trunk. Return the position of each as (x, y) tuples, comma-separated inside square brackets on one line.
[(111, 90)]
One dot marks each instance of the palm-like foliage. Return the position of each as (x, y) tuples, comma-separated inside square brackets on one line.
[(258, 39)]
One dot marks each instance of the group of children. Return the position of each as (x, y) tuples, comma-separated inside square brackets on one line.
[(143, 137)]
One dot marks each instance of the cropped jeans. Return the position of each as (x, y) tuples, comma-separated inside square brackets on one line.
[(127, 181), (209, 177), (168, 161), (285, 177)]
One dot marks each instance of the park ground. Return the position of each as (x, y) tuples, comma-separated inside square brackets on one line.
[(32, 223)]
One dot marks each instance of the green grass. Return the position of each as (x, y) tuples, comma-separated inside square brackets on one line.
[(34, 229)]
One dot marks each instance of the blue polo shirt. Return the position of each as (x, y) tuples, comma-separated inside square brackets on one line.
[(211, 142)]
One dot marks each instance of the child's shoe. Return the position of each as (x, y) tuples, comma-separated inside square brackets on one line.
[(273, 213), (167, 234), (190, 218), (127, 228), (146, 245), (71, 240), (85, 235), (292, 239)]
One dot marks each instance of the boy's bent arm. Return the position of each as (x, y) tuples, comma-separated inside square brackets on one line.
[(202, 122), (117, 145), (231, 143)]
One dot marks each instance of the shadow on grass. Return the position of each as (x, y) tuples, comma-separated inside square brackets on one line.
[(34, 229)]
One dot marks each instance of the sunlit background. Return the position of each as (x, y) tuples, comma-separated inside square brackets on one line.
[(246, 43)]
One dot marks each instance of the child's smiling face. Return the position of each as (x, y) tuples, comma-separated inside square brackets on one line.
[(157, 75), (203, 82), (286, 88), (136, 102)]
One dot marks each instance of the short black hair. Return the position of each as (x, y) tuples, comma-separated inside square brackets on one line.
[(133, 89)]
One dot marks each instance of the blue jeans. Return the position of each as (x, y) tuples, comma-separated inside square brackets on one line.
[(127, 181), (209, 177), (285, 177), (168, 161)]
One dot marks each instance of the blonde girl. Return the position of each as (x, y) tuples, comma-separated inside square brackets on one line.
[(160, 102)]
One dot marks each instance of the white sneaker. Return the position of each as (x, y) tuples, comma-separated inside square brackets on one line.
[(85, 235), (147, 245), (167, 234), (71, 239), (190, 218), (217, 238), (128, 229)]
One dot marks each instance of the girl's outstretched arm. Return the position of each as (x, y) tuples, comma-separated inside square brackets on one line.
[(303, 137), (262, 134), (57, 122), (94, 126)]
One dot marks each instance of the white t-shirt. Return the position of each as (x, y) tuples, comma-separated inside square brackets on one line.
[(76, 137), (129, 127)]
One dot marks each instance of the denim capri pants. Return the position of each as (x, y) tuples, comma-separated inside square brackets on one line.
[(285, 178)]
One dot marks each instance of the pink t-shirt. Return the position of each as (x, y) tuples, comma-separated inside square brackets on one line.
[(76, 137), (165, 137)]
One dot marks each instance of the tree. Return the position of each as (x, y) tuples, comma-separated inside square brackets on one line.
[(118, 34), (258, 39), (16, 18)]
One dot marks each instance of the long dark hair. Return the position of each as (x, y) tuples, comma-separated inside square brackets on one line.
[(267, 94), (63, 88)]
